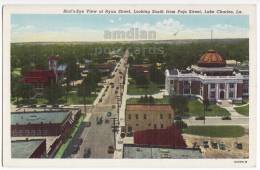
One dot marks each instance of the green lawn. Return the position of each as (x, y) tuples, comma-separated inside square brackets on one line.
[(64, 146), (244, 110), (151, 88), (73, 98), (196, 108), (164, 100), (215, 131)]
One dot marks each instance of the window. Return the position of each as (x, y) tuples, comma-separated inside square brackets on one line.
[(212, 95), (129, 116), (136, 116), (161, 116), (231, 85), (212, 86), (137, 124), (154, 126), (171, 81), (161, 126), (231, 94), (149, 124), (222, 86), (170, 116), (144, 116)]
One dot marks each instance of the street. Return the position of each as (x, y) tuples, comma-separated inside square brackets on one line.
[(98, 137)]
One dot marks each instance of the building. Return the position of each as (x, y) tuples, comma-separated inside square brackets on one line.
[(140, 69), (210, 79), (40, 78), (170, 137), (159, 152), (148, 116), (28, 148), (104, 68), (44, 123)]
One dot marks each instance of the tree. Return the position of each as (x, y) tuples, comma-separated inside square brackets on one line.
[(179, 104), (53, 92)]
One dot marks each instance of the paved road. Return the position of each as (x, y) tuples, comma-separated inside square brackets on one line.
[(243, 121), (99, 137)]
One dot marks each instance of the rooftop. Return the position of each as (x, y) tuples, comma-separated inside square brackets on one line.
[(170, 137), (24, 149), (24, 118), (150, 108), (211, 59), (142, 151)]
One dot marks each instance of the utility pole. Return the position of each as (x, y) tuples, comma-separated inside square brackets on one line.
[(114, 129)]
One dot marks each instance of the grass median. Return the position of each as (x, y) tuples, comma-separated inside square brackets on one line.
[(216, 131)]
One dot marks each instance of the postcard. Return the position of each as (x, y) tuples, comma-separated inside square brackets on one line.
[(129, 85)]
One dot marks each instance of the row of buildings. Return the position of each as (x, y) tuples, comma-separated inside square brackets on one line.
[(38, 133)]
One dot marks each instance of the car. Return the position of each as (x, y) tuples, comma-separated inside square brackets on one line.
[(110, 149), (205, 144), (79, 141), (43, 105), (87, 153), (222, 146), (55, 106), (214, 145), (109, 114), (99, 120), (226, 118), (75, 148), (177, 117), (239, 145), (20, 105), (88, 124), (33, 106), (200, 118)]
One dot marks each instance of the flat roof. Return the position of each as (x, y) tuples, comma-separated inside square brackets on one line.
[(150, 107), (138, 152), (24, 118), (24, 149)]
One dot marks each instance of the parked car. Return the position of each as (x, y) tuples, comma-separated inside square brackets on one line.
[(110, 149), (88, 124), (55, 106), (75, 148), (222, 146), (200, 118), (239, 145), (43, 105), (177, 117), (205, 144), (87, 153), (226, 118), (99, 120), (214, 145), (79, 141)]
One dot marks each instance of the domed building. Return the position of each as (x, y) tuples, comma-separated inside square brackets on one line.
[(211, 78)]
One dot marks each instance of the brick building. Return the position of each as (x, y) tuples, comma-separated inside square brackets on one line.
[(49, 123), (211, 78), (142, 117)]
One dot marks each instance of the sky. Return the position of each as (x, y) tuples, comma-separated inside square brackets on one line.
[(71, 27)]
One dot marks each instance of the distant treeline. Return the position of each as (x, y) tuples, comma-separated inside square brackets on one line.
[(35, 55)]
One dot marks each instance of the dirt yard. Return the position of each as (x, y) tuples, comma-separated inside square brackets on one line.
[(230, 150)]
